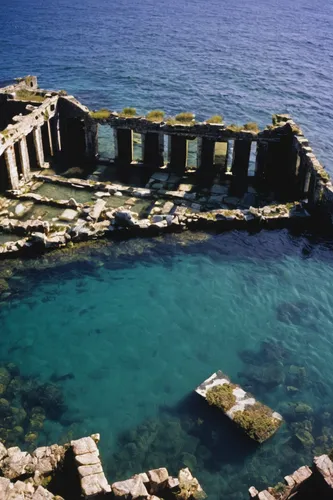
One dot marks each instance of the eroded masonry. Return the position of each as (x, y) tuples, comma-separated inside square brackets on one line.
[(55, 188)]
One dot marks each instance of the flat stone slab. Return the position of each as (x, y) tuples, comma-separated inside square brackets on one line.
[(68, 215), (133, 487), (300, 475), (241, 407), (84, 445), (94, 484)]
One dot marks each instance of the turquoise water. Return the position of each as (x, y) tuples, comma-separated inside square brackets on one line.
[(243, 60), (132, 329)]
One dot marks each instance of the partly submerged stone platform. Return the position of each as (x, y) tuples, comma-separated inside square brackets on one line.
[(257, 420), (243, 177)]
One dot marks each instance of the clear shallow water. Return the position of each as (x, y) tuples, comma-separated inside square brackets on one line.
[(245, 60), (140, 324)]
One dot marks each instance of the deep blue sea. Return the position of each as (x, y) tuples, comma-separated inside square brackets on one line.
[(131, 330)]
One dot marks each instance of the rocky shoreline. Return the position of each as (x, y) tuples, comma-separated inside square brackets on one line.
[(75, 470)]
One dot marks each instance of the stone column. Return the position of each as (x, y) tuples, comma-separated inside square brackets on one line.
[(24, 157), (123, 139), (91, 138), (12, 167), (261, 159), (206, 153), (55, 134), (49, 133), (37, 134), (178, 147), (153, 149), (241, 158)]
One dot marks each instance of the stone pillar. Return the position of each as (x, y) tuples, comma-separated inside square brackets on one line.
[(24, 157), (49, 133), (123, 139), (55, 134), (261, 159), (153, 149), (91, 138), (241, 158), (178, 147), (37, 133), (12, 167), (206, 153)]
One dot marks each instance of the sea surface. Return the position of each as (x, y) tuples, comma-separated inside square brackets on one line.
[(127, 332)]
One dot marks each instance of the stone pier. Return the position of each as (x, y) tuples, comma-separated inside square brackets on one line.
[(178, 149)]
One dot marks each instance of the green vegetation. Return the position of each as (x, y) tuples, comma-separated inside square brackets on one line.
[(185, 117), (221, 396), (26, 95), (257, 422), (156, 115), (128, 112), (252, 126), (101, 114), (234, 128), (215, 119)]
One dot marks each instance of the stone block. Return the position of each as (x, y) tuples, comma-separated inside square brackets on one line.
[(88, 458), (68, 215), (88, 470), (84, 445), (158, 479), (134, 488), (95, 484)]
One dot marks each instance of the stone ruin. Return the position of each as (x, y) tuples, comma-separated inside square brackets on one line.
[(306, 483), (267, 178), (75, 470)]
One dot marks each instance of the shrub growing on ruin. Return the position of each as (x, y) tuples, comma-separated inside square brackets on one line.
[(235, 128), (26, 95), (221, 396), (156, 115), (128, 112), (252, 126), (101, 114), (215, 119), (257, 422), (185, 117)]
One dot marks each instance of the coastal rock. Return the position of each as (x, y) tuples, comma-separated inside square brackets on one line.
[(158, 479), (42, 494), (3, 452), (97, 209), (133, 488), (125, 217), (17, 463), (46, 458), (189, 485), (23, 208), (324, 466)]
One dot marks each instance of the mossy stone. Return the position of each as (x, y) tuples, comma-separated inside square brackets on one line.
[(221, 396), (257, 421)]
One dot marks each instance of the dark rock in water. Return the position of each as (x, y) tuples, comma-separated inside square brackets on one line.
[(296, 376), (268, 375), (60, 378), (270, 351), (49, 397), (301, 313), (289, 312)]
